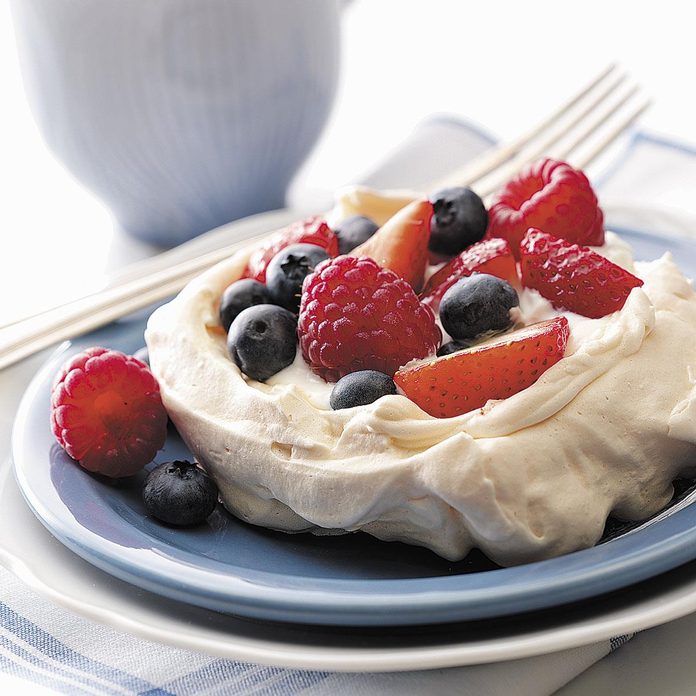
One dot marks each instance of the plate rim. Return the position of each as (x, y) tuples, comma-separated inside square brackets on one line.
[(294, 605), (641, 615)]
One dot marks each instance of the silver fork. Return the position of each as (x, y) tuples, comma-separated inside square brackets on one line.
[(578, 131)]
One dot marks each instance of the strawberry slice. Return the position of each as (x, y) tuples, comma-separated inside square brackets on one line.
[(492, 256), (401, 244), (574, 277), (464, 381), (312, 230)]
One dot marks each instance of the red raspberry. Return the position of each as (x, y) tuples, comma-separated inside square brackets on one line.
[(552, 196), (312, 230), (107, 413), (356, 315), (574, 277)]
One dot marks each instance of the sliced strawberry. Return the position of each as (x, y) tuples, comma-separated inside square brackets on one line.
[(492, 256), (401, 244), (464, 381), (574, 277), (312, 230)]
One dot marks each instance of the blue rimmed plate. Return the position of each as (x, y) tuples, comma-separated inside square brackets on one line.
[(236, 568)]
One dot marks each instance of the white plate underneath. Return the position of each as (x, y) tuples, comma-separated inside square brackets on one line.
[(49, 568)]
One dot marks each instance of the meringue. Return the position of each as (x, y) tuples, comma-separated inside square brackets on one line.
[(604, 431)]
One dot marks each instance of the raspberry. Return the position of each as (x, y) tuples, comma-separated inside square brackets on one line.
[(356, 315), (312, 230), (106, 412), (574, 277), (552, 196)]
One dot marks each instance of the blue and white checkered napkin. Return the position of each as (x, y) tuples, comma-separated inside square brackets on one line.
[(47, 649)]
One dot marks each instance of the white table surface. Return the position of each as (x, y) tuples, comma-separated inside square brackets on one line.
[(499, 63)]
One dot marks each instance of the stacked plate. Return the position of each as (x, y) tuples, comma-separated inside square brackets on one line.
[(351, 602)]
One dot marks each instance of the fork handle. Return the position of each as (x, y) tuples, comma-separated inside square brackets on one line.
[(30, 335)]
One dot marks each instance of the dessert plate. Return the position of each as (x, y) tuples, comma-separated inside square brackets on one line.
[(235, 568)]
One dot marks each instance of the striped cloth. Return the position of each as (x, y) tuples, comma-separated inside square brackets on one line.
[(45, 649)]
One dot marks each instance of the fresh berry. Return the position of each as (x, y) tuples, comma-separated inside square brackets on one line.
[(552, 196), (353, 231), (107, 413), (179, 493), (361, 388), (497, 369), (476, 305), (262, 340), (357, 316), (452, 347), (460, 220), (401, 244), (492, 256), (240, 295), (143, 354), (574, 277), (313, 230), (288, 269)]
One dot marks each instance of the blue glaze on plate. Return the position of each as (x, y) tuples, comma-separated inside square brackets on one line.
[(229, 566)]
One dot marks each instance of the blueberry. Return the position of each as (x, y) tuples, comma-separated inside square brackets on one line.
[(452, 347), (262, 340), (361, 388), (240, 295), (179, 493), (477, 304), (459, 221), (353, 231), (143, 354), (288, 269)]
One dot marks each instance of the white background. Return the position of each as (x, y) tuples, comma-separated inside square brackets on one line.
[(501, 64)]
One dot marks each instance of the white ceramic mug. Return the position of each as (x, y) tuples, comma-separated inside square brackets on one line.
[(180, 114)]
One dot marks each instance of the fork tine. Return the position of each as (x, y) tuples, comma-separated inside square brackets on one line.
[(595, 121), (560, 128), (572, 136), (611, 132), (492, 159)]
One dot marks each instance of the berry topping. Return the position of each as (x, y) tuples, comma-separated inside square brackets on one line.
[(492, 256), (476, 305), (313, 230), (466, 380), (106, 412), (574, 277), (460, 220), (357, 316), (353, 231), (401, 244), (550, 195), (179, 493), (240, 295), (262, 340), (361, 388), (287, 271)]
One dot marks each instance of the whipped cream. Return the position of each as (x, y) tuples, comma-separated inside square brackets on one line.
[(603, 431)]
